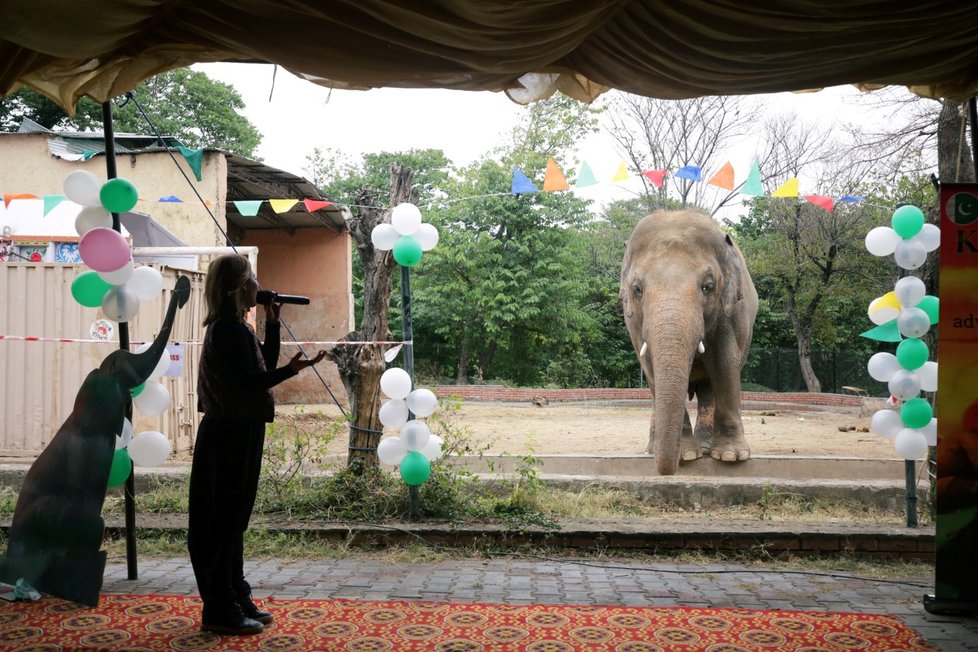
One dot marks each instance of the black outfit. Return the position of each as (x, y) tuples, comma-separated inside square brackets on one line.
[(234, 393)]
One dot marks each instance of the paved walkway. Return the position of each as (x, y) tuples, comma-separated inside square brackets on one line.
[(526, 580)]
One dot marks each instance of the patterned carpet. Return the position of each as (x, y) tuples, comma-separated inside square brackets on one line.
[(160, 622)]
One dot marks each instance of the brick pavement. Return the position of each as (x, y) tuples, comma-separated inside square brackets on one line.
[(528, 580)]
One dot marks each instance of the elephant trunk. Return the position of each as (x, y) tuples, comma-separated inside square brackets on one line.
[(672, 346)]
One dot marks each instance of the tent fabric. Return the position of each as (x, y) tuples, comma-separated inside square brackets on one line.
[(659, 48)]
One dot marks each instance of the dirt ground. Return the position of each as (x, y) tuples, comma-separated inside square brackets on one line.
[(594, 429)]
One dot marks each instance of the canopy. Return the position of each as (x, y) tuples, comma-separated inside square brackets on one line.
[(660, 48)]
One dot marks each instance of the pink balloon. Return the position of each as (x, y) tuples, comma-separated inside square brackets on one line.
[(104, 249)]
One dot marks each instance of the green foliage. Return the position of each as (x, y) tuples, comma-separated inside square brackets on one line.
[(184, 103)]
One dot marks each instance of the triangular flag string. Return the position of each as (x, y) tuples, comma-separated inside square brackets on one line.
[(655, 176), (554, 179), (313, 205), (688, 172), (248, 208), (821, 201), (585, 177), (752, 185), (787, 189), (621, 174), (724, 178), (282, 205), (521, 184), (50, 201)]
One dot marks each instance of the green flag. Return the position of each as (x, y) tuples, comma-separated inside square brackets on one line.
[(752, 186), (585, 177), (194, 158)]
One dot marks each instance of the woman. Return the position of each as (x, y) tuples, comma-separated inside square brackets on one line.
[(234, 393)]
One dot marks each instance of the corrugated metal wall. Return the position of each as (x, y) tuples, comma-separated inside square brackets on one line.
[(39, 380)]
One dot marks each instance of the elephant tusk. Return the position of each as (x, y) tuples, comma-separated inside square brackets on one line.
[(645, 346), (701, 348)]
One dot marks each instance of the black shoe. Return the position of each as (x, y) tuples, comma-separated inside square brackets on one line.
[(252, 611), (227, 618)]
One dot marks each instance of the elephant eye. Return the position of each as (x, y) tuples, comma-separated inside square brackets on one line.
[(708, 287), (636, 289)]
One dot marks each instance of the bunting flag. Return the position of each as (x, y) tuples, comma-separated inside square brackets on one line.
[(282, 205), (724, 178), (313, 205), (170, 199), (787, 189), (10, 197), (521, 183), (821, 201), (554, 179), (688, 172), (585, 177), (50, 201), (752, 185), (248, 208), (851, 198), (622, 173), (655, 176), (194, 158)]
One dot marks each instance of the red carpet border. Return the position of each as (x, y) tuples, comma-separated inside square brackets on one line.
[(160, 622)]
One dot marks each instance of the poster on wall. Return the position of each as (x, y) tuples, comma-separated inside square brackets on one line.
[(956, 573)]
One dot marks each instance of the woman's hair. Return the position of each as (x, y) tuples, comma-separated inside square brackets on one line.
[(226, 277)]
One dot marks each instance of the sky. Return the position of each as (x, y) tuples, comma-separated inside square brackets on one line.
[(295, 116)]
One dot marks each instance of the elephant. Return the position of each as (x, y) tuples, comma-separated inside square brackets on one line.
[(689, 305), (56, 531)]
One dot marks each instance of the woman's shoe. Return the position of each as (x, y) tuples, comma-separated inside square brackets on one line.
[(250, 610), (228, 618)]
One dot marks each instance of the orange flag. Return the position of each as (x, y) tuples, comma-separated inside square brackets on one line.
[(10, 197), (313, 205), (724, 178), (554, 179), (655, 176)]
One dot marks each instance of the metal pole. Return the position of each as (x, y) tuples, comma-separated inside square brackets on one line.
[(910, 474), (108, 133), (407, 330)]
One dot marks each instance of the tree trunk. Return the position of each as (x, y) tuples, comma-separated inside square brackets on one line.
[(805, 363), (360, 367), (486, 358), (464, 357)]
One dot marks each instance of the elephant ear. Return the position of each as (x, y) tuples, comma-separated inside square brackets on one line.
[(732, 275), (623, 283)]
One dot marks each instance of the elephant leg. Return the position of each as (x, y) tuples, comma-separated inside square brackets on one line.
[(689, 448), (705, 409), (729, 443)]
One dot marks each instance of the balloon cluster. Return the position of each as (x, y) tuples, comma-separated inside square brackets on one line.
[(406, 234), (416, 447), (114, 283), (910, 312), (148, 448)]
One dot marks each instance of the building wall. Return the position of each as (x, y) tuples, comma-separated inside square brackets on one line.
[(28, 167), (316, 263)]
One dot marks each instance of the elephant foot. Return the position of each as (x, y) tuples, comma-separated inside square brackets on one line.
[(730, 455), (690, 450)]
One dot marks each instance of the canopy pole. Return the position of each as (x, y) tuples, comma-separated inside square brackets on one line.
[(108, 133)]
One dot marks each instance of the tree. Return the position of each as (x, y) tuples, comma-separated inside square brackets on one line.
[(184, 103)]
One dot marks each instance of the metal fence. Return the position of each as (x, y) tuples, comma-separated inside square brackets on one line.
[(778, 370)]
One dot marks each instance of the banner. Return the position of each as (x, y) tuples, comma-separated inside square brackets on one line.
[(956, 573)]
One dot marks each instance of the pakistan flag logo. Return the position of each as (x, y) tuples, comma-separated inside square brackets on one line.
[(962, 208)]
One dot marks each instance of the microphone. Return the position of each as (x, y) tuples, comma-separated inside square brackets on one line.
[(264, 296)]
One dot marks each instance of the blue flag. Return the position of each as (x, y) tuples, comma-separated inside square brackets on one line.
[(521, 183)]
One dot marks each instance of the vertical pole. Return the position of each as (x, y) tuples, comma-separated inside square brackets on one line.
[(910, 474), (407, 330), (108, 132)]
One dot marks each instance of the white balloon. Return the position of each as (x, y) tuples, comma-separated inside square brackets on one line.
[(122, 440), (882, 241), (394, 413), (904, 385), (910, 290), (162, 365), (432, 450), (930, 432), (119, 304), (83, 187), (146, 282), (882, 366), (427, 236), (910, 444), (929, 237), (913, 323), (92, 217), (886, 423), (391, 450), (395, 383), (153, 400), (415, 435), (928, 376), (406, 218), (910, 254), (118, 276), (384, 236), (149, 448), (422, 402)]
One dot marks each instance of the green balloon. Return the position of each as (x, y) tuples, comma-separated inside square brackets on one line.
[(907, 221), (407, 251), (916, 413), (415, 468), (88, 288), (118, 195), (137, 390), (931, 305), (912, 354), (121, 468)]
